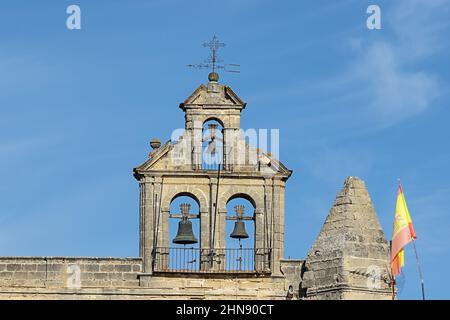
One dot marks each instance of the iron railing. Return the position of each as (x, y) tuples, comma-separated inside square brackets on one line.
[(241, 260)]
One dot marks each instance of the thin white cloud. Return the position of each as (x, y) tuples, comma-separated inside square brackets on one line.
[(387, 80), (419, 26), (395, 92), (388, 69)]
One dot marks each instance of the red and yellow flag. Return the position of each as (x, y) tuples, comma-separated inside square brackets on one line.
[(403, 233)]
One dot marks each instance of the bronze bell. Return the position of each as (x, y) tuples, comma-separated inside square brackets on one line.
[(185, 235), (239, 226)]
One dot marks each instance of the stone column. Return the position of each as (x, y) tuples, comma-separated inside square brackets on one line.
[(160, 218), (221, 238), (278, 227), (147, 220), (216, 226), (268, 223), (141, 217), (259, 239), (197, 145), (164, 240), (227, 147), (230, 137), (204, 240)]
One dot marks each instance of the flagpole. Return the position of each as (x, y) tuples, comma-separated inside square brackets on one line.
[(392, 281), (420, 269), (393, 287), (417, 256)]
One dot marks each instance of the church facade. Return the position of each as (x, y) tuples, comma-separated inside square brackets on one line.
[(210, 165)]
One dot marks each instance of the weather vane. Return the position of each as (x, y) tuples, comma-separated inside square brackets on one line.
[(213, 61)]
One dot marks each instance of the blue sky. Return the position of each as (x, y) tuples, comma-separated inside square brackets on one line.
[(78, 108)]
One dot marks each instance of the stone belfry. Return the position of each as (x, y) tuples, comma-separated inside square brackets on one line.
[(214, 163), (179, 167), (182, 167)]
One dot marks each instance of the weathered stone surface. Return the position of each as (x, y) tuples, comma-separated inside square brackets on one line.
[(344, 263), (349, 258), (122, 283), (176, 168)]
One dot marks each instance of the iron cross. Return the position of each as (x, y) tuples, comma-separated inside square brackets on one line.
[(213, 61)]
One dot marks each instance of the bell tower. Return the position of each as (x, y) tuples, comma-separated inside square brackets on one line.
[(217, 103), (211, 162)]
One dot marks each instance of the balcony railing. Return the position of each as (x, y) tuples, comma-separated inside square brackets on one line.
[(192, 260)]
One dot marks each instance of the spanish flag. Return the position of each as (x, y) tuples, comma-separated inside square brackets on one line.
[(403, 233)]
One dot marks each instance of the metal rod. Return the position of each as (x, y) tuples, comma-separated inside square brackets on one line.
[(179, 216), (420, 269), (242, 218), (240, 255), (215, 209)]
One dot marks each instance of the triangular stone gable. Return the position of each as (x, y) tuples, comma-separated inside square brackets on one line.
[(195, 95), (223, 95), (213, 101), (231, 95), (163, 159), (349, 258), (155, 158)]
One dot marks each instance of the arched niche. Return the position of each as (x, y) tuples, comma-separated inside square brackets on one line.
[(252, 194), (248, 209), (214, 118), (191, 191), (192, 204), (168, 227), (212, 144)]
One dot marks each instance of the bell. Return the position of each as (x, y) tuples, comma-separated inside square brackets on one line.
[(212, 129), (211, 149), (239, 226), (185, 235), (239, 230)]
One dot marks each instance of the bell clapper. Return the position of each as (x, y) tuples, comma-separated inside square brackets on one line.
[(239, 231), (240, 255)]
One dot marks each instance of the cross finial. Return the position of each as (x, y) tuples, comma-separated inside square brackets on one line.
[(214, 45), (213, 60)]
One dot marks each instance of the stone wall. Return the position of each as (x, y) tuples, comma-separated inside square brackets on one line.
[(122, 278), (61, 272), (292, 271)]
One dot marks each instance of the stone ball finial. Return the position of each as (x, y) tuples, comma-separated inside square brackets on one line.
[(213, 77), (155, 143)]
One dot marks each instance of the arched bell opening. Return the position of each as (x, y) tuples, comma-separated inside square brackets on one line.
[(184, 233), (240, 234), (212, 144)]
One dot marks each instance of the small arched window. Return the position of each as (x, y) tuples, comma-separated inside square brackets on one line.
[(184, 234), (212, 145), (240, 233)]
